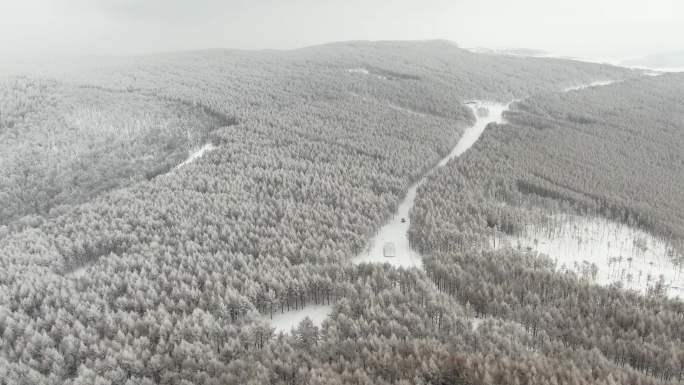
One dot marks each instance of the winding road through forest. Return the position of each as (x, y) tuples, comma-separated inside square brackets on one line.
[(395, 232)]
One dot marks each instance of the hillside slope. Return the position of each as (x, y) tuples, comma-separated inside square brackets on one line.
[(61, 145), (612, 151)]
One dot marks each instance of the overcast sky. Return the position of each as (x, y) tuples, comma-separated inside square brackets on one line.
[(605, 29)]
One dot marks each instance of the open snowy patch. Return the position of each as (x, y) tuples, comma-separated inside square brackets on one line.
[(606, 252), (654, 70), (391, 244), (597, 83), (476, 322), (652, 73), (364, 71), (197, 154), (405, 110), (285, 322), (394, 233), (669, 69)]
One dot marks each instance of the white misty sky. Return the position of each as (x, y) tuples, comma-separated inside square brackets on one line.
[(602, 29)]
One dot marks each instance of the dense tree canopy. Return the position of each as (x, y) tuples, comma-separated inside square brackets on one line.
[(61, 145), (612, 151), (168, 279)]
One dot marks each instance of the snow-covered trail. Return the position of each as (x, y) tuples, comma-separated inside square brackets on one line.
[(285, 322), (485, 113), (597, 83), (395, 232), (197, 154)]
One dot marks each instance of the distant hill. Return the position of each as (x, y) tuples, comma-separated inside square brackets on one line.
[(511, 51), (658, 61)]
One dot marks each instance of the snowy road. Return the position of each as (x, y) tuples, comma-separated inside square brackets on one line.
[(396, 230), (197, 154)]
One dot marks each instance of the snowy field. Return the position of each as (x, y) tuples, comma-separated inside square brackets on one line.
[(620, 253), (285, 322), (396, 231), (197, 154)]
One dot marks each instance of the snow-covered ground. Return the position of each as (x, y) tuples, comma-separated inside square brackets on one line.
[(476, 322), (364, 71), (358, 71), (592, 84), (396, 231), (664, 69), (651, 70), (197, 154), (403, 109), (652, 73), (620, 253), (285, 322)]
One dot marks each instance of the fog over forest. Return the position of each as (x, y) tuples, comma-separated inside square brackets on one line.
[(609, 30)]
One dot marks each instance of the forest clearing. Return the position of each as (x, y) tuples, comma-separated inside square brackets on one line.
[(605, 252)]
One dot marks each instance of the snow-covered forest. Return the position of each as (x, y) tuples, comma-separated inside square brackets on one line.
[(174, 275), (582, 153), (63, 144)]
